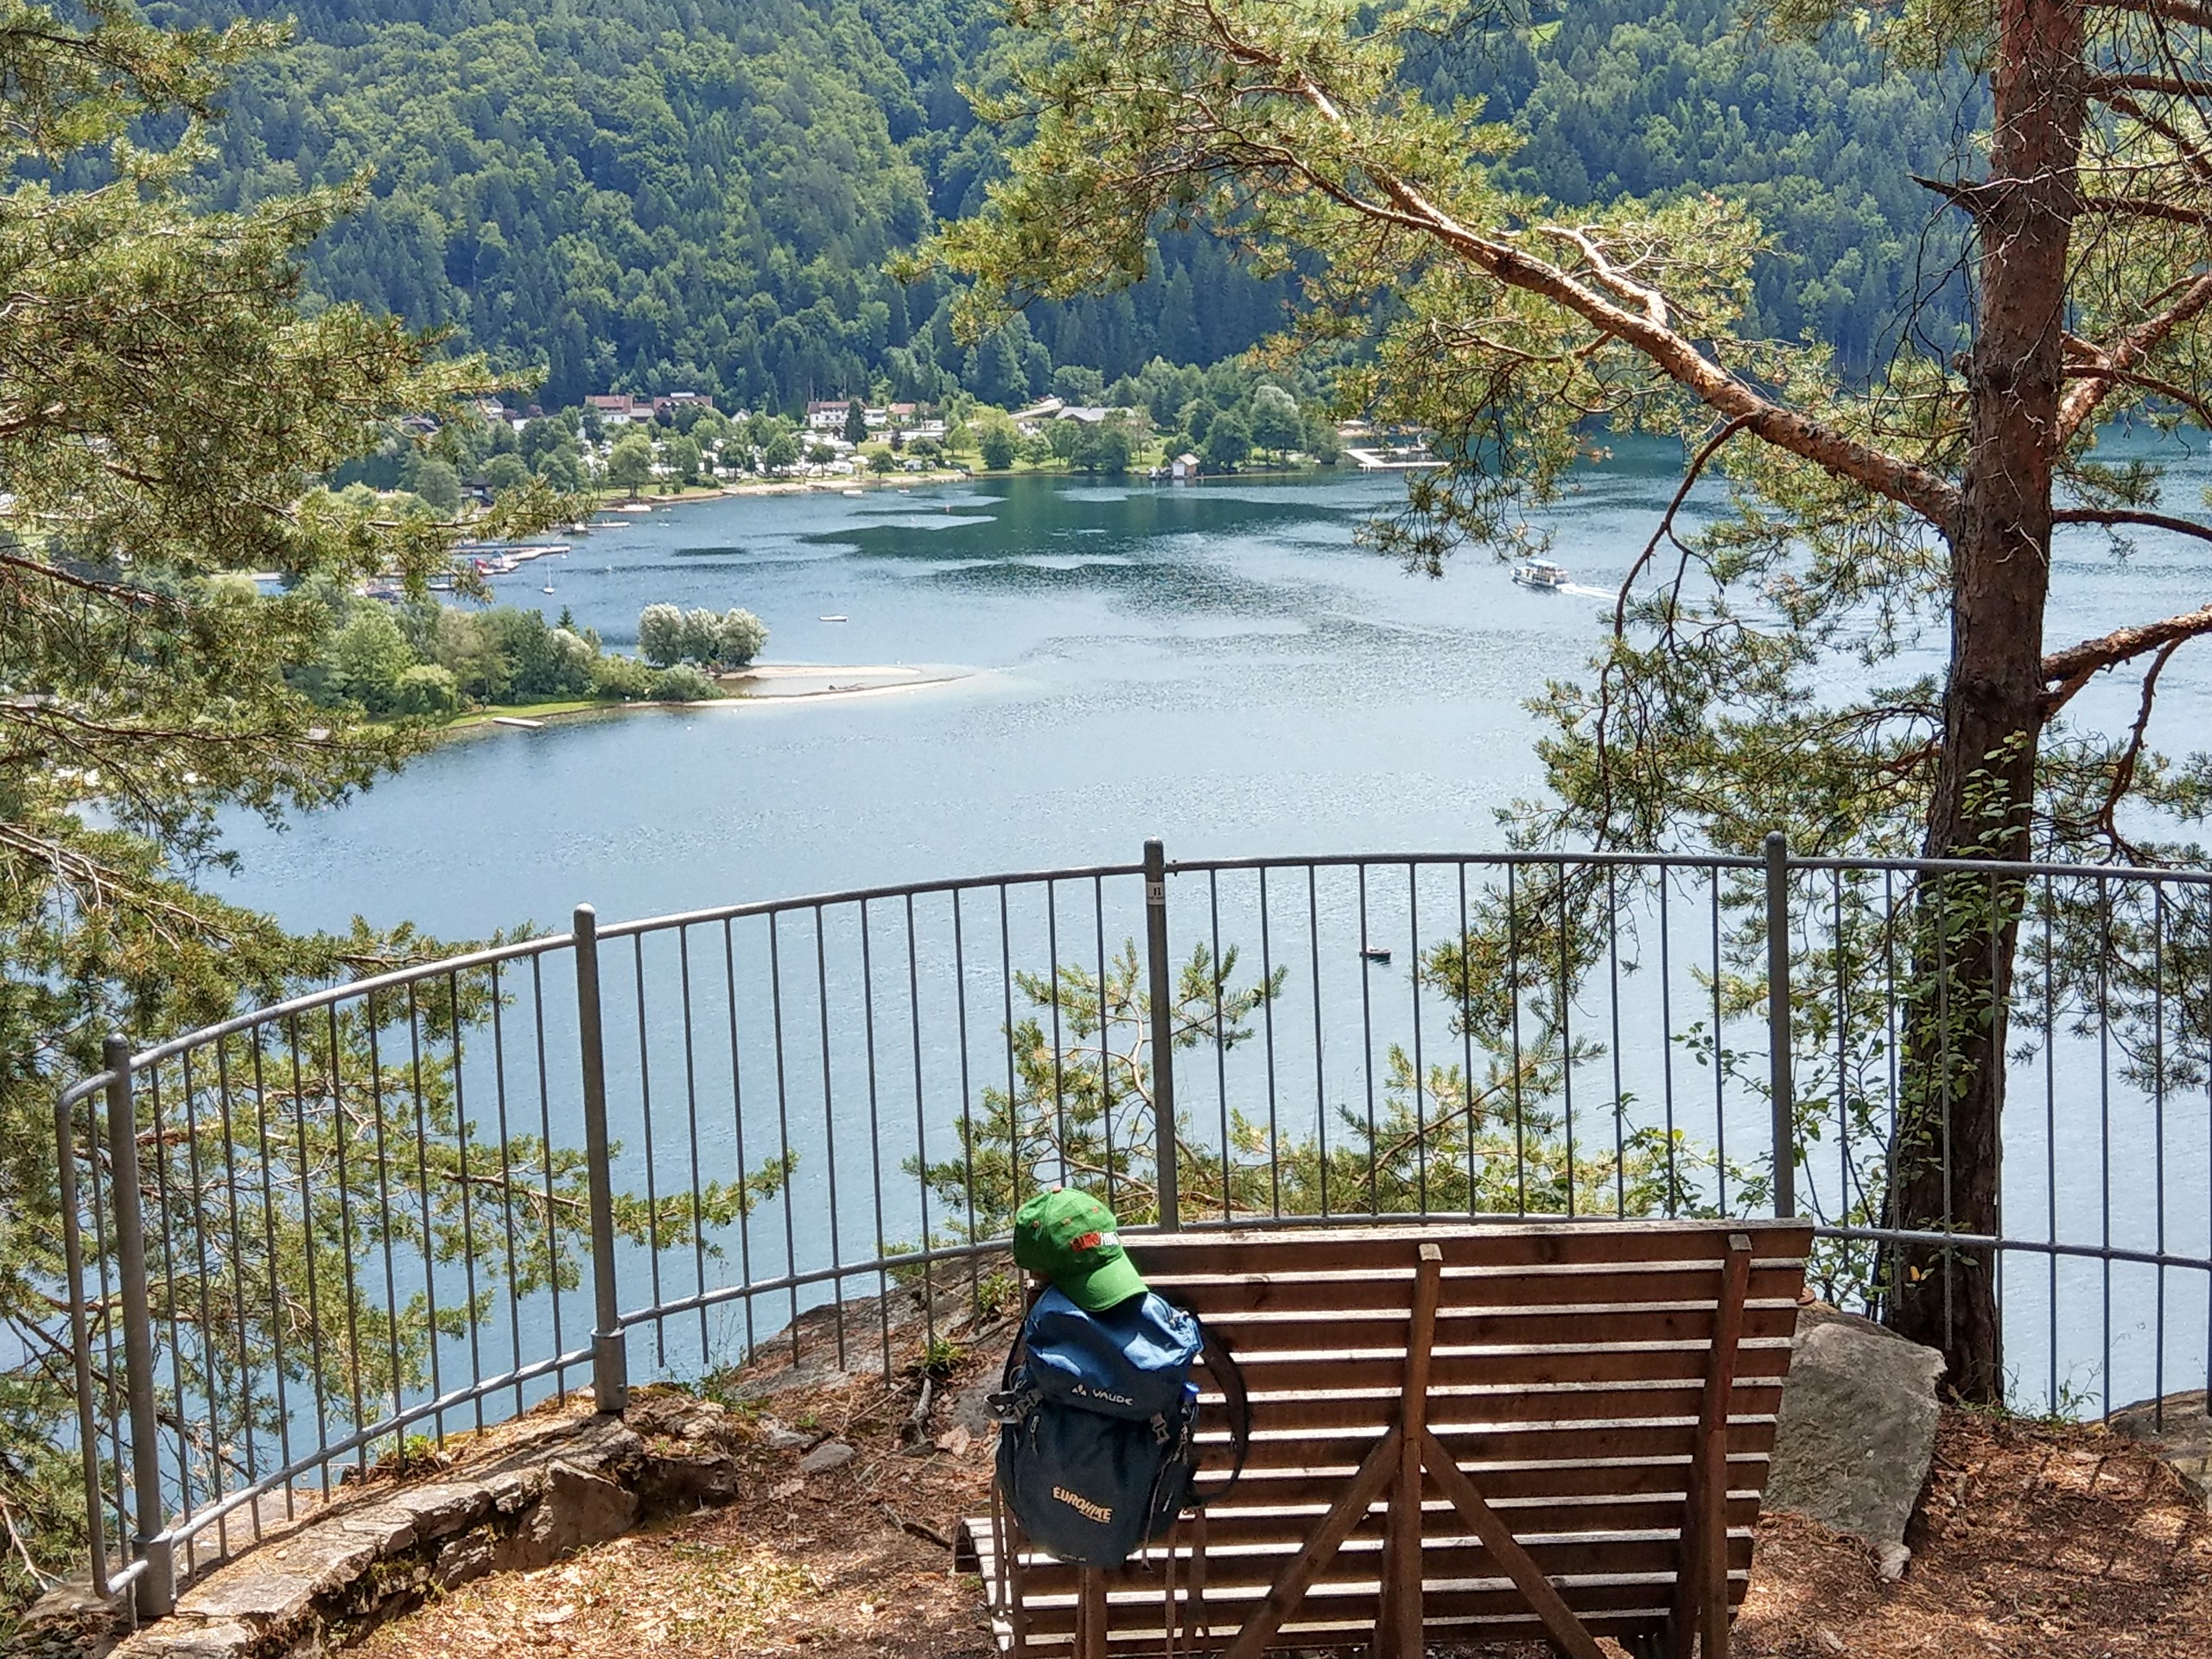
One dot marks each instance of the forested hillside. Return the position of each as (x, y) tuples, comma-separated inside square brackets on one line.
[(654, 194)]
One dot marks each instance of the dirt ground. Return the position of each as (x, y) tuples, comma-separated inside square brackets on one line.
[(2034, 1542)]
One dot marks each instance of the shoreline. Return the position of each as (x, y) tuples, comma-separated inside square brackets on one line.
[(871, 679)]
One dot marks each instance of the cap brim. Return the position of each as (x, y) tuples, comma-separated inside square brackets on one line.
[(1103, 1287)]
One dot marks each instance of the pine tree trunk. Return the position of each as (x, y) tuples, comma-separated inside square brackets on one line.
[(1948, 1142)]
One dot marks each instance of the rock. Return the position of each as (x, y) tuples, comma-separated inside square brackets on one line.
[(954, 1441), (461, 1559), (971, 1406), (2183, 1440), (781, 1437), (1890, 1560), (1858, 1429), (831, 1454), (575, 1509)]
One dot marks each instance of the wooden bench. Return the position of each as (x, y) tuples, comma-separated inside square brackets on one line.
[(1585, 1408)]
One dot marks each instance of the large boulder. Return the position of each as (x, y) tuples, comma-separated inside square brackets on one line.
[(1858, 1429)]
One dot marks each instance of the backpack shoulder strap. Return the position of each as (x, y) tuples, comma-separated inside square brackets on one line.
[(1221, 1365)]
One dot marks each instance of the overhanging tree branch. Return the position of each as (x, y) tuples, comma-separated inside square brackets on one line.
[(2066, 672)]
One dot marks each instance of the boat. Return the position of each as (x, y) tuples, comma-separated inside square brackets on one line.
[(836, 618), (635, 507), (1540, 573), (852, 492), (1375, 952), (519, 723), (547, 588)]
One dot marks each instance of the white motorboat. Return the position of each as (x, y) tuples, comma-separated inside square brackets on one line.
[(1540, 573)]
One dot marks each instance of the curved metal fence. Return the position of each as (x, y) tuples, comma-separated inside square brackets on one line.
[(320, 1234)]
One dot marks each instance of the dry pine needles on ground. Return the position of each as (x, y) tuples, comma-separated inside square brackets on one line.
[(2034, 1542)]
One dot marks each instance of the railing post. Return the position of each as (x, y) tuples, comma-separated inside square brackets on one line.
[(156, 1594), (1777, 1024), (1163, 1033), (610, 1366)]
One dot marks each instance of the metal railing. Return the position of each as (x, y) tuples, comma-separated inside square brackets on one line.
[(299, 1239)]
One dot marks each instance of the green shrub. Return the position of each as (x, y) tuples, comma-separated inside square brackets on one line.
[(683, 683)]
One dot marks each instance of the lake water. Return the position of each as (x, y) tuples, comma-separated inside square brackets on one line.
[(1223, 666)]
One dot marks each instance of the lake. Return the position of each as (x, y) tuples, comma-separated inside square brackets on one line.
[(1222, 666)]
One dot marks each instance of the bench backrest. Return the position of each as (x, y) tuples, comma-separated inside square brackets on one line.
[(1565, 1378)]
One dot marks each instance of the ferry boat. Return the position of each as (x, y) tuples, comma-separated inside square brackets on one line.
[(1540, 573)]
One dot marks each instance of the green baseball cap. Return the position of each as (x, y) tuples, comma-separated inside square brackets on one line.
[(1069, 1237)]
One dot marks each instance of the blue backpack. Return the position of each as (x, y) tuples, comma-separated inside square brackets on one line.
[(1097, 1411)]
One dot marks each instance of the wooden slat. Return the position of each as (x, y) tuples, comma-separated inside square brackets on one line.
[(1659, 1480), (1453, 1554), (1466, 1407), (1334, 1601), (1570, 1439), (1234, 1526), (1700, 1601), (1461, 1328), (1384, 1296), (1261, 1250), (1512, 1285), (1269, 1372)]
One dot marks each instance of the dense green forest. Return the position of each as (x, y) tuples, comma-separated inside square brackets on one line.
[(656, 195)]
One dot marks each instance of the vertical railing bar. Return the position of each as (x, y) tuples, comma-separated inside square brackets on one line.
[(921, 1126), (1013, 1093), (691, 1130), (967, 1104), (1666, 1038), (374, 1021), (1467, 1041), (226, 1117), (1420, 1076), (1719, 1080), (1944, 1074), (2104, 1116), (467, 1194), (783, 1110), (610, 1353), (1105, 1047), (1320, 1076), (1780, 1089), (875, 1135), (652, 1153), (423, 1186), (2159, 1140), (1566, 1038), (829, 1131), (80, 1340), (310, 1250), (1166, 1143), (2050, 1123), (545, 1164), (269, 1236), (1620, 1109), (218, 1488), (340, 1136), (737, 1129), (156, 1590), (1220, 1034), (1998, 1012), (1267, 1016), (1513, 990), (1367, 1046), (1847, 1172), (118, 1409), (506, 1177), (1059, 1081)]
